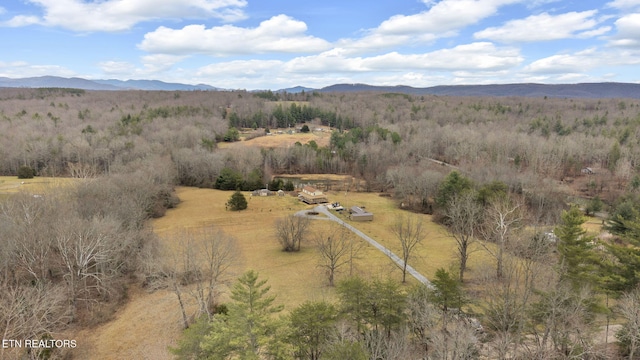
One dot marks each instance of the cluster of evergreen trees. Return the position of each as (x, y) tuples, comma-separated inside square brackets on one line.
[(372, 319)]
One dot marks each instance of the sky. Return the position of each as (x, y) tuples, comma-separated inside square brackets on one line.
[(276, 44)]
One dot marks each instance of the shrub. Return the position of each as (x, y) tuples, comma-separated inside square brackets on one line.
[(25, 172), (237, 202)]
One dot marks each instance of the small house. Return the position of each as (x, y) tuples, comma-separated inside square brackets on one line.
[(262, 192), (311, 195), (359, 214)]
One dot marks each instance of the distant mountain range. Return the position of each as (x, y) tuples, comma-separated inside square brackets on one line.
[(112, 84), (585, 90)]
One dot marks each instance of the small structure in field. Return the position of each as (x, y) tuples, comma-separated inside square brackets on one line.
[(359, 214), (311, 195), (335, 206), (262, 192)]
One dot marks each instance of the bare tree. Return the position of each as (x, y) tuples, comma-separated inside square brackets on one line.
[(410, 232), (29, 312), (629, 335), (198, 266), (464, 215), (337, 248), (291, 231), (216, 254), (504, 216)]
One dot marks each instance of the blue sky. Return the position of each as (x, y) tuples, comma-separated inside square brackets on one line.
[(273, 44)]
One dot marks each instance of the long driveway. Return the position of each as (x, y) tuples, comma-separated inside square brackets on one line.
[(395, 258)]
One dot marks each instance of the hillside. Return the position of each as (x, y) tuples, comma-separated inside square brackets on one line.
[(584, 90)]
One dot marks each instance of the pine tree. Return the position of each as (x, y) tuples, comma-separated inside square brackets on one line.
[(578, 261), (313, 326), (624, 271), (237, 202), (249, 330)]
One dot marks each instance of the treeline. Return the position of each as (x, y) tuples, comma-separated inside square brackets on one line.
[(49, 131), (372, 320), (289, 116), (67, 257), (543, 295)]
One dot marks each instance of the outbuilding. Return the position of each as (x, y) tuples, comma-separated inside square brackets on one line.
[(359, 214)]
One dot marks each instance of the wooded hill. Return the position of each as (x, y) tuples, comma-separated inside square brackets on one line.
[(535, 155)]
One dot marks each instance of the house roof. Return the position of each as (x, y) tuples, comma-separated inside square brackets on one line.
[(309, 189), (359, 211)]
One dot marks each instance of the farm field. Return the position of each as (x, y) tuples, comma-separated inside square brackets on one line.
[(137, 328), (321, 138), (37, 185)]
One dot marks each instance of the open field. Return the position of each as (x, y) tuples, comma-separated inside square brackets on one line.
[(321, 138), (294, 277), (37, 185)]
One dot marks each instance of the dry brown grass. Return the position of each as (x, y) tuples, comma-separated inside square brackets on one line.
[(37, 185), (322, 138), (149, 323)]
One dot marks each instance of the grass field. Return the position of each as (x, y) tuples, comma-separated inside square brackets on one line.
[(37, 185), (322, 138), (149, 322)]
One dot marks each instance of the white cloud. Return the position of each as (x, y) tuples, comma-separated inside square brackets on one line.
[(442, 19), (476, 56), (624, 4), (120, 15), (628, 31), (18, 69), (584, 61), (444, 16), (280, 34), (543, 27), (21, 20)]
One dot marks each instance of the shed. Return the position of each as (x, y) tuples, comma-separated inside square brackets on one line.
[(262, 192), (359, 214)]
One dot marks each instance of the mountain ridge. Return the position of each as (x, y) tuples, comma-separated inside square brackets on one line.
[(578, 90)]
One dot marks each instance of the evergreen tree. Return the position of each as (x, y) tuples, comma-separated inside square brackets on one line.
[(229, 179), (237, 202), (577, 259), (453, 184), (249, 330), (624, 272), (312, 328), (354, 294), (448, 293)]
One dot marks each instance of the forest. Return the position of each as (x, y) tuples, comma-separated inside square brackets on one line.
[(517, 177)]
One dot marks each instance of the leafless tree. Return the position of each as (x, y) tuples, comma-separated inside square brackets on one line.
[(464, 215), (198, 264), (291, 231), (410, 232), (629, 309), (89, 253), (423, 317), (504, 216), (457, 342), (337, 248), (216, 255), (29, 312)]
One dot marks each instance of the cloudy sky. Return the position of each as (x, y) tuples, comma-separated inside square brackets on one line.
[(274, 44)]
